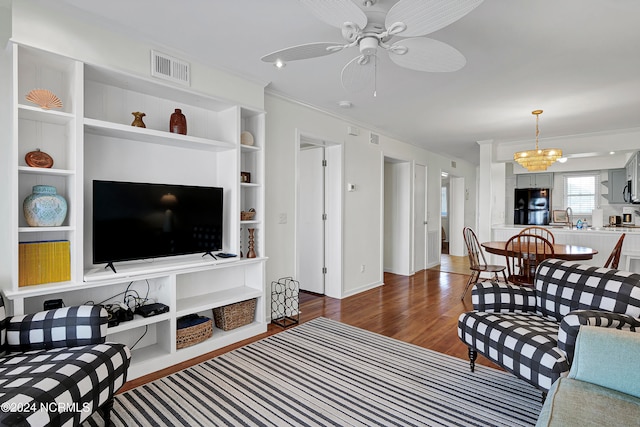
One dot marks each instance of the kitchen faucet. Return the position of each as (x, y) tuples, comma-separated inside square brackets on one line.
[(570, 217)]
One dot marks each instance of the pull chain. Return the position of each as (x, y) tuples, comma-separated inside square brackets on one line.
[(375, 76)]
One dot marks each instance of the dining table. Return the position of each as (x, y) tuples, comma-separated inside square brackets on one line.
[(561, 251)]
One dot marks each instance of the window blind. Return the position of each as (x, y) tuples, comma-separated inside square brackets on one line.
[(580, 193)]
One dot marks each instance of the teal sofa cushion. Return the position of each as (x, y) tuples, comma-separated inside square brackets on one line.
[(609, 358), (577, 403)]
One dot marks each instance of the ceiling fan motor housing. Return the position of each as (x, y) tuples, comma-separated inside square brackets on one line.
[(368, 46)]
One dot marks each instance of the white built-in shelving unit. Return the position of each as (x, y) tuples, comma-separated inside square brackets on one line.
[(91, 138)]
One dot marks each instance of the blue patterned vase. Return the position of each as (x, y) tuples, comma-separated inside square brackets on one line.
[(44, 207)]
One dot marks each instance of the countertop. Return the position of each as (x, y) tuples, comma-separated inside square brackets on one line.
[(565, 228)]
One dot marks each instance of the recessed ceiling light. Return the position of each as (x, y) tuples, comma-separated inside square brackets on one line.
[(562, 160), (279, 64), (612, 152), (344, 104)]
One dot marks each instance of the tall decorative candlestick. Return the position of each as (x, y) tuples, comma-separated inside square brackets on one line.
[(251, 253)]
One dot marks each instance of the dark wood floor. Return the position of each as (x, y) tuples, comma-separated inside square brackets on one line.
[(422, 309)]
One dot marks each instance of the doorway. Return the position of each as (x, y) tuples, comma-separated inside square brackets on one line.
[(444, 212), (319, 216), (457, 195), (397, 251), (420, 235)]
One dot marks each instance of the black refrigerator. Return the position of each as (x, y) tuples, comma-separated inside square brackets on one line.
[(532, 206)]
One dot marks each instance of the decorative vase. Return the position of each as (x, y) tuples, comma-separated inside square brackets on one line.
[(137, 121), (44, 207), (251, 253), (178, 122)]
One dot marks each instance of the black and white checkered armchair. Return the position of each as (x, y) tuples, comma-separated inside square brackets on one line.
[(56, 368), (532, 332)]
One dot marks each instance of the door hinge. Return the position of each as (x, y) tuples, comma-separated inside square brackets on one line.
[(324, 270), (324, 163), (324, 216)]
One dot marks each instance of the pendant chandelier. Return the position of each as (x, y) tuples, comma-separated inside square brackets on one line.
[(538, 159)]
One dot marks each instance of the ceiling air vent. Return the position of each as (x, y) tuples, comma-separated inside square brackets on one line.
[(374, 138), (169, 68)]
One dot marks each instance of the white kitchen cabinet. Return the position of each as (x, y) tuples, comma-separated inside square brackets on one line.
[(534, 180)]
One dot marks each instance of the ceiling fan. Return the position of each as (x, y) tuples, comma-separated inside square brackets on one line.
[(372, 29)]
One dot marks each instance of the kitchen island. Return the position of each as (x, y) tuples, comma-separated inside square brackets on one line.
[(602, 239)]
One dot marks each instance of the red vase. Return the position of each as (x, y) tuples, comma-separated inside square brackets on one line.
[(178, 122)]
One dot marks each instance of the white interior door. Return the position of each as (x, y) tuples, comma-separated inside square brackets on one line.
[(397, 250), (456, 216), (310, 224), (420, 218)]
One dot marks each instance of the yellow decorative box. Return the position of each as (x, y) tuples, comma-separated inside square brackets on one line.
[(43, 262)]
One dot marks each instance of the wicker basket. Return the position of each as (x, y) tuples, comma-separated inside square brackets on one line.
[(195, 334), (235, 315), (247, 215)]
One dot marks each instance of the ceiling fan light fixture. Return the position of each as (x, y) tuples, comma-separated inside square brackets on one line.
[(538, 159), (368, 25), (368, 46)]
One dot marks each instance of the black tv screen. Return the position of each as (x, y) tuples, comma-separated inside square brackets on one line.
[(133, 220)]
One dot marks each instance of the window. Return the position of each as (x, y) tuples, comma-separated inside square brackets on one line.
[(443, 201), (581, 192)]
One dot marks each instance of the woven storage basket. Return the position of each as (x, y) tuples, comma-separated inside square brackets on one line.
[(235, 315), (195, 334), (247, 215)]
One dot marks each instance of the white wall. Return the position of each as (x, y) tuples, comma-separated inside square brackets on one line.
[(362, 208)]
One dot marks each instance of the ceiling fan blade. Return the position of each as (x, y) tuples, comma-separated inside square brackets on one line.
[(303, 51), (426, 16), (424, 54), (337, 12), (358, 74)]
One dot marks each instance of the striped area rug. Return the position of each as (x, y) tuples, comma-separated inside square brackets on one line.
[(323, 373)]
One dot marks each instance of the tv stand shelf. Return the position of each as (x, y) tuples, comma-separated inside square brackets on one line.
[(161, 266), (215, 299), (90, 139), (138, 321)]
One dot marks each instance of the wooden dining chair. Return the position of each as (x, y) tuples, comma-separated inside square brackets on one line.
[(523, 253), (539, 231), (477, 262), (614, 258)]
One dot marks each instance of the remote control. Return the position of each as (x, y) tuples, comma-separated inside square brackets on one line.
[(226, 255)]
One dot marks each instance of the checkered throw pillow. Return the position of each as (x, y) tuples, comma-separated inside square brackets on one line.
[(62, 327), (503, 297)]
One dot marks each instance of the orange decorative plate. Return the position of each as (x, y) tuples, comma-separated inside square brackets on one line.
[(38, 159)]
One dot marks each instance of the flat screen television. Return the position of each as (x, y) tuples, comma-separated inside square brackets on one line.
[(134, 220)]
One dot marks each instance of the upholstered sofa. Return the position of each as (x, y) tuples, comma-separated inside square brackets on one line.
[(531, 332), (603, 386), (56, 368)]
